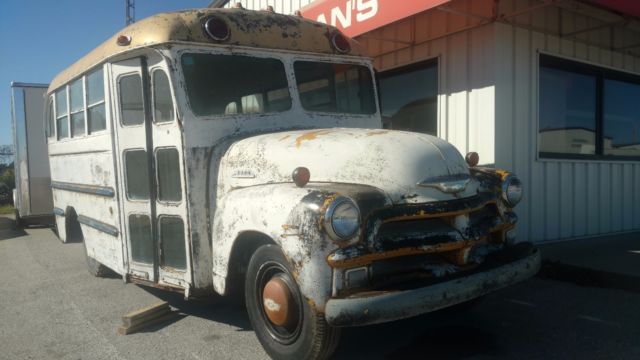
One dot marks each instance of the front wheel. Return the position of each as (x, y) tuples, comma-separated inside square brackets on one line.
[(285, 324)]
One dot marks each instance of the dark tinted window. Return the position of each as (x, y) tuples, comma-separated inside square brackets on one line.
[(567, 112), (409, 98), (162, 103), (172, 242), (621, 118), (335, 88), (140, 237), (168, 168), (137, 174), (234, 84)]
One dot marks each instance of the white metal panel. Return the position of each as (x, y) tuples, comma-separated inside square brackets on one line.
[(563, 198)]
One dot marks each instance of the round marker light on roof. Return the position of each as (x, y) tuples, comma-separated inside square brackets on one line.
[(472, 158), (301, 176), (340, 43), (123, 40), (217, 29)]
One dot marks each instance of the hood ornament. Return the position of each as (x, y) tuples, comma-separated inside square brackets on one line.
[(450, 184)]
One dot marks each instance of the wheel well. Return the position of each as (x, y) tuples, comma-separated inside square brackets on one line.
[(243, 248), (72, 225)]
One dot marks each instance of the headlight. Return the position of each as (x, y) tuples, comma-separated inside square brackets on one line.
[(512, 190), (342, 219)]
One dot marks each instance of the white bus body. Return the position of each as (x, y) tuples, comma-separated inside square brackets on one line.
[(223, 150)]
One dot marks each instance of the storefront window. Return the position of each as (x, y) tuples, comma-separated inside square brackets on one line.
[(587, 112), (409, 98)]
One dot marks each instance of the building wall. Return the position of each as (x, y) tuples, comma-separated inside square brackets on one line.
[(563, 198), (465, 71)]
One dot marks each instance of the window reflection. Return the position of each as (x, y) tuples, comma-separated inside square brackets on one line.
[(621, 118), (567, 112), (409, 99)]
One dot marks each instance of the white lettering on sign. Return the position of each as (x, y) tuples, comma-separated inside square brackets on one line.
[(363, 9)]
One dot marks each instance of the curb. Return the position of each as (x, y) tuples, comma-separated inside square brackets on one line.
[(556, 270)]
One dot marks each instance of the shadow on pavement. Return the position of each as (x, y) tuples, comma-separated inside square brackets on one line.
[(214, 308), (8, 229)]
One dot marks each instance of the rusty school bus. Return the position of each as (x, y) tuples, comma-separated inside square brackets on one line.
[(238, 152)]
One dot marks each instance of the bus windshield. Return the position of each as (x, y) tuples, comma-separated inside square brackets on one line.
[(335, 88), (235, 84)]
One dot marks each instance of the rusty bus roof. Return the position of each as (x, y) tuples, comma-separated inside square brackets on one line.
[(261, 29)]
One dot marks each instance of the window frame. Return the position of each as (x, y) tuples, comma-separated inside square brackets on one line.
[(83, 108), (601, 73), (287, 68), (161, 243), (119, 99), (88, 105), (372, 74), (56, 117), (157, 176)]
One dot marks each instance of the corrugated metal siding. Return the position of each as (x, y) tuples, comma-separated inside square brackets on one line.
[(563, 198), (287, 7), (465, 78)]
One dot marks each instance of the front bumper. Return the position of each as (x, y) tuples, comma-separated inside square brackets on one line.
[(369, 309)]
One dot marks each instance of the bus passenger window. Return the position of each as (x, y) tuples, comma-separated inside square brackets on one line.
[(95, 102), (172, 242), (162, 104), (62, 119), (131, 106), (77, 108), (137, 174), (168, 167)]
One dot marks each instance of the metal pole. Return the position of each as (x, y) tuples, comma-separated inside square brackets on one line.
[(130, 11)]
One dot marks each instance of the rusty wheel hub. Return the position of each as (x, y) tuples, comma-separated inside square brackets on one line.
[(276, 300)]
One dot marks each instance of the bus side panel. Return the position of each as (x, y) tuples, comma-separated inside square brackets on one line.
[(83, 180)]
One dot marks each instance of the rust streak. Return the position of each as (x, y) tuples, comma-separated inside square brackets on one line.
[(310, 136), (379, 132), (367, 259)]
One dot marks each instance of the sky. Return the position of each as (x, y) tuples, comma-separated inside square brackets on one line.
[(40, 38)]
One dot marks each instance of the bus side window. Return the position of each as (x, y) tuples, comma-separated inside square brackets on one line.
[(62, 117), (131, 106), (96, 117), (162, 103), (76, 101)]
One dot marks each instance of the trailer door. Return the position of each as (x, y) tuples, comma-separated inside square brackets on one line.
[(150, 164)]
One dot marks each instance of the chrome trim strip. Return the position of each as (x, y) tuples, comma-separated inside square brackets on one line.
[(85, 189), (98, 225), (447, 184)]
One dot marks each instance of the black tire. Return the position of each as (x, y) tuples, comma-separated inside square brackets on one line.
[(309, 336), (18, 219)]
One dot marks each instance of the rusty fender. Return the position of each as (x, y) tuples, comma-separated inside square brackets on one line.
[(291, 217), (370, 308)]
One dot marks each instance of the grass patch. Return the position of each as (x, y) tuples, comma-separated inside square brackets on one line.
[(6, 209)]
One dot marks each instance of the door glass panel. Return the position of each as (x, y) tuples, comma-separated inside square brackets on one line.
[(131, 105), (168, 166), (162, 104), (172, 242), (137, 174), (140, 235), (409, 99)]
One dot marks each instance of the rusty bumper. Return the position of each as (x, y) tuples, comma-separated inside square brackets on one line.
[(373, 309)]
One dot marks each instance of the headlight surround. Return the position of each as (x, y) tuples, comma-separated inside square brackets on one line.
[(512, 190), (342, 219)]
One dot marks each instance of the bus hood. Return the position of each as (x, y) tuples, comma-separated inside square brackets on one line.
[(408, 167)]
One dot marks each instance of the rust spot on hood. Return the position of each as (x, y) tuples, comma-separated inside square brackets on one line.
[(284, 138), (378, 132), (310, 136)]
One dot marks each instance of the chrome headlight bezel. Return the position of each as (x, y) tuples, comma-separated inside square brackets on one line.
[(512, 190), (329, 223)]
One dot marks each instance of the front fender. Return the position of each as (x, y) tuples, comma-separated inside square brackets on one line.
[(291, 217)]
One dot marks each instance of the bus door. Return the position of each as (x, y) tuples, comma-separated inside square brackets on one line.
[(149, 146)]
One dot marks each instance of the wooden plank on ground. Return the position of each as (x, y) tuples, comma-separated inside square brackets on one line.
[(145, 311), (125, 330)]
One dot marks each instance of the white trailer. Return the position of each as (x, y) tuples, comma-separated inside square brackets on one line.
[(32, 195)]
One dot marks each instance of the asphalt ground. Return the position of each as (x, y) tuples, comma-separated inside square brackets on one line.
[(51, 308)]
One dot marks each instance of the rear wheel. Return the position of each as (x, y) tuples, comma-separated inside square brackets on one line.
[(285, 324), (17, 217), (74, 234)]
